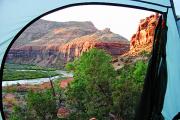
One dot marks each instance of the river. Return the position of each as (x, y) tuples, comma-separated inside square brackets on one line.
[(38, 80)]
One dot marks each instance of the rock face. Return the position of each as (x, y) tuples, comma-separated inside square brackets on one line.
[(142, 40), (48, 30), (105, 39), (54, 43)]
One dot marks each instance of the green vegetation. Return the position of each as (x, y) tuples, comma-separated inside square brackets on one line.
[(127, 89), (90, 93), (10, 89), (22, 75), (145, 53), (39, 106), (23, 71), (96, 91), (26, 67)]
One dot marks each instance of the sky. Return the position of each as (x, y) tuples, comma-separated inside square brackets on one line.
[(120, 20)]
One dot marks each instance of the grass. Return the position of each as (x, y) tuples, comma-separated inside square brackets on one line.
[(9, 75), (26, 67), (11, 72)]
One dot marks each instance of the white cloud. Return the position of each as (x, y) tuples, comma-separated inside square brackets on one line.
[(120, 20)]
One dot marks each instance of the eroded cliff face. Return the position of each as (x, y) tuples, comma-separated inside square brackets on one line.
[(140, 44), (142, 40), (103, 39), (64, 42)]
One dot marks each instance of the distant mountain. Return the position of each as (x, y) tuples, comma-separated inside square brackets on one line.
[(50, 30), (49, 43)]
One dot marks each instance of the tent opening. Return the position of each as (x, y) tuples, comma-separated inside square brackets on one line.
[(82, 62)]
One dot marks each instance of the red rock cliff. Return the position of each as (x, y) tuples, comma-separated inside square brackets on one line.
[(142, 40), (63, 43), (105, 39)]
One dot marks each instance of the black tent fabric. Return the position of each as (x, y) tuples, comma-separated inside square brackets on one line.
[(152, 97), (177, 117)]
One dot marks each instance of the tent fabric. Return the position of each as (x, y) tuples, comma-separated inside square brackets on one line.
[(178, 24), (172, 97), (177, 8), (151, 102), (162, 2), (16, 14)]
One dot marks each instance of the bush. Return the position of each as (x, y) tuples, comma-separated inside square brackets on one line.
[(145, 53), (96, 91), (89, 95), (39, 106), (127, 90)]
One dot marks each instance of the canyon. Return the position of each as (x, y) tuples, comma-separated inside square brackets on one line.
[(53, 44), (142, 40)]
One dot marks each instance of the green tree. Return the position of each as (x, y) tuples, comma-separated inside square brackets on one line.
[(20, 113), (40, 105), (43, 104), (127, 89), (89, 94)]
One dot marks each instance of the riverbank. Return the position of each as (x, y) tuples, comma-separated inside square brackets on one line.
[(16, 94), (10, 75), (13, 72), (59, 75)]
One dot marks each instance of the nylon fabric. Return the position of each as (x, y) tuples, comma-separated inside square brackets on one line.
[(178, 24), (162, 2), (152, 97), (177, 6), (16, 14), (172, 97)]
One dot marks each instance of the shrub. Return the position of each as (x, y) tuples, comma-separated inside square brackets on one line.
[(90, 92), (39, 106)]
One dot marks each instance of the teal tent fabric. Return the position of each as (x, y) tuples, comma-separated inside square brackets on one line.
[(0, 117), (15, 14), (172, 97), (164, 2), (177, 6), (178, 24)]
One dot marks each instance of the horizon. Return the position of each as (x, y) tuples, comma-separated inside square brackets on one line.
[(101, 16)]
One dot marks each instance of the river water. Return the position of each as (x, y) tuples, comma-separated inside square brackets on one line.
[(38, 80)]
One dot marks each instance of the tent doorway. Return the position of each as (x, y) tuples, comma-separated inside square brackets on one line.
[(108, 90)]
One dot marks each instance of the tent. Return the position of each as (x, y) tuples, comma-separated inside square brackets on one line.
[(17, 15)]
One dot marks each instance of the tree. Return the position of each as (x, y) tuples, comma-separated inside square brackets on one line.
[(90, 94), (127, 89), (43, 104), (20, 113), (40, 105)]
